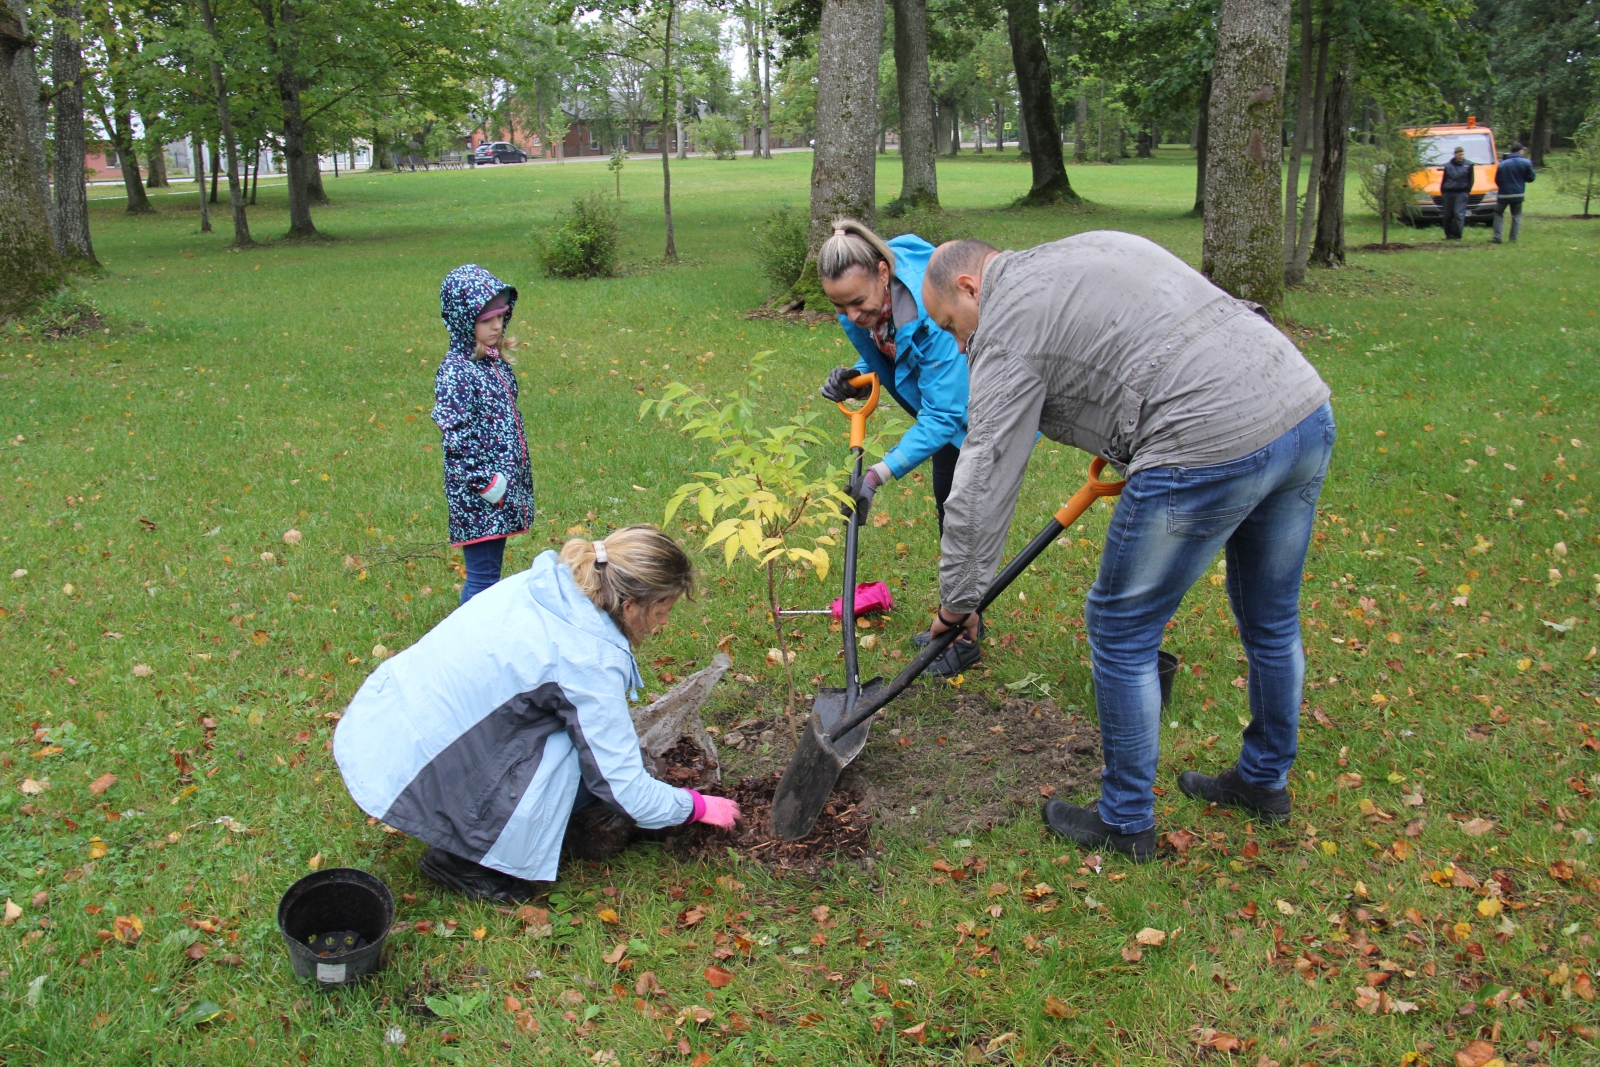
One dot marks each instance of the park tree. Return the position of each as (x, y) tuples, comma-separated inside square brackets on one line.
[(32, 96), (919, 182), (1243, 227), (219, 85), (844, 164), (71, 207), (119, 30), (1577, 174), (29, 266), (1031, 61), (1386, 170)]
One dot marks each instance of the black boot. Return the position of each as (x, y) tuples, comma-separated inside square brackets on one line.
[(474, 879), (597, 832), (1085, 826), (1229, 790)]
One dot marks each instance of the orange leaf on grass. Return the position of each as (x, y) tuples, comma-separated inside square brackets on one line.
[(718, 977), (1180, 840), (648, 985), (102, 783), (1057, 1008), (527, 1024), (917, 1033), (1206, 1037), (1474, 1053), (127, 928), (608, 915), (700, 1059), (614, 957)]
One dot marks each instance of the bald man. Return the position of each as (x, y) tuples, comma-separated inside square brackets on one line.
[(1110, 343)]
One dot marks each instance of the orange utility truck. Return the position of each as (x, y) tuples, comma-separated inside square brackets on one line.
[(1436, 144)]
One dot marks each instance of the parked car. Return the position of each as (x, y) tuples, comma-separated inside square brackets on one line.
[(499, 152), (1435, 145)]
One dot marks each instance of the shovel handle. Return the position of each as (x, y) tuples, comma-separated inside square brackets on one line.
[(858, 416), (1093, 489)]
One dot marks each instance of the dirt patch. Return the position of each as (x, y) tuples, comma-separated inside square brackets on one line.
[(790, 312), (938, 764), (843, 830), (1392, 246)]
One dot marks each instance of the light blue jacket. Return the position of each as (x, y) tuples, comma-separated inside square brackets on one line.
[(927, 377), (474, 739)]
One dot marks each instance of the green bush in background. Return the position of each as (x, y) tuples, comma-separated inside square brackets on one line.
[(582, 241)]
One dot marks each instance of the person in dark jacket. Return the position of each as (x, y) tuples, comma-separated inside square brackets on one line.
[(1511, 178), (1455, 186), (488, 480)]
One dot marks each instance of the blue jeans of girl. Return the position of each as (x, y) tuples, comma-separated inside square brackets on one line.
[(483, 560), (1169, 524)]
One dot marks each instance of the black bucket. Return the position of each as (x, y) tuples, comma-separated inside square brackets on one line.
[(335, 922), (1167, 668)]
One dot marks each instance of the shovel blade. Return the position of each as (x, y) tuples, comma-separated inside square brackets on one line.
[(814, 769)]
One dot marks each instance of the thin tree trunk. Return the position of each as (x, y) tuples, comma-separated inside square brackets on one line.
[(197, 148), (1032, 64), (155, 171), (381, 159), (919, 180), (1243, 233), (783, 646), (1202, 137), (671, 252), (955, 128), (122, 141), (71, 212), (683, 143), (314, 190), (283, 39), (219, 85), (1328, 250), (1302, 250), (1541, 128), (216, 169), (844, 165), (1302, 132), (254, 179), (29, 266), (1080, 108), (763, 12)]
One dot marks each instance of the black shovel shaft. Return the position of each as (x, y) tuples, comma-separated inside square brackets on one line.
[(937, 646), (847, 619)]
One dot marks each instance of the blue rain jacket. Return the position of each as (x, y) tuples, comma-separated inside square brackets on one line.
[(475, 738), (927, 377)]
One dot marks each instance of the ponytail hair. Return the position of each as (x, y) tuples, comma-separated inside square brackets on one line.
[(851, 245), (638, 563)]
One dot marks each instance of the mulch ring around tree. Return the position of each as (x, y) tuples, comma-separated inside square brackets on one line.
[(791, 311), (1392, 246), (842, 832)]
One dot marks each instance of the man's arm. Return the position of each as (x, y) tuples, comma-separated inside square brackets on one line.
[(1002, 421)]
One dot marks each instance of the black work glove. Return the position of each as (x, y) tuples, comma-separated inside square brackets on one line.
[(838, 386)]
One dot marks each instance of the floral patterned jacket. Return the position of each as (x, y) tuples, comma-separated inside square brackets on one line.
[(475, 407)]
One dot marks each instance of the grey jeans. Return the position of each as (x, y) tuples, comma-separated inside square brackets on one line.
[(1500, 215)]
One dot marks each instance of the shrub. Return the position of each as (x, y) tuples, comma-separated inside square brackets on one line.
[(781, 247), (582, 241), (715, 134)]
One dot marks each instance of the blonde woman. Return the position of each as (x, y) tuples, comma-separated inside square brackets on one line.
[(485, 737), (876, 287)]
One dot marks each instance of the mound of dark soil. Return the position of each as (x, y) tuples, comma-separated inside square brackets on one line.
[(1392, 246)]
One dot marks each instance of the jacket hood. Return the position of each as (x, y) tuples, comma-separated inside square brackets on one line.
[(552, 588), (462, 297)]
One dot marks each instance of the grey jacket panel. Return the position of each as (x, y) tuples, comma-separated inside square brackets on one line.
[(463, 798), (1108, 342)]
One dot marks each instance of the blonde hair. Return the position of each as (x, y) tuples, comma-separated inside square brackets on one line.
[(852, 245), (641, 564)]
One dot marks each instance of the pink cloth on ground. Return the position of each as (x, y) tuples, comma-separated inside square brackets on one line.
[(870, 597)]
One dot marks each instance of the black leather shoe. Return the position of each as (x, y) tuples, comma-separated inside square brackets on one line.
[(597, 832), (473, 879), (925, 638), (1229, 790), (1085, 826)]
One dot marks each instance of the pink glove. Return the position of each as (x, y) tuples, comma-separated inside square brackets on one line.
[(718, 811)]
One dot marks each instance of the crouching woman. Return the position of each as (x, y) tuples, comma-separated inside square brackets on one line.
[(487, 736)]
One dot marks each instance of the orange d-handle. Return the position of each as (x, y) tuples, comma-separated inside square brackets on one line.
[(858, 416), (1093, 489)]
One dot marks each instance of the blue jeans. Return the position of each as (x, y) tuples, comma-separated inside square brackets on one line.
[(1168, 525), (483, 560)]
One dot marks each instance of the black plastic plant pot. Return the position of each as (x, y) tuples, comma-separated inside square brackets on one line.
[(1167, 668), (335, 923)]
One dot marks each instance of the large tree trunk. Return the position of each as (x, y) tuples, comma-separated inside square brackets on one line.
[(919, 182), (671, 253), (155, 172), (219, 85), (1302, 136), (72, 198), (844, 165), (26, 70), (1319, 100), (1328, 251), (1032, 65), (283, 37), (1202, 140), (1243, 243), (29, 266)]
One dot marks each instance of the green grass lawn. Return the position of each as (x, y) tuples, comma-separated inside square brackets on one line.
[(157, 628)]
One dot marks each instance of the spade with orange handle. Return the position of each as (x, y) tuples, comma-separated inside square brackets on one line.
[(827, 747)]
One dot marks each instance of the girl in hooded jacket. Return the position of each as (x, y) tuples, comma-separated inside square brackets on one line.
[(488, 481), (505, 732)]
